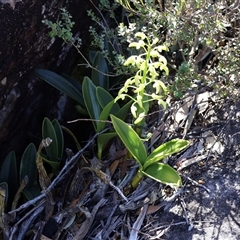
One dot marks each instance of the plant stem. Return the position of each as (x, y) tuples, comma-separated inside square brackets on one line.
[(136, 179)]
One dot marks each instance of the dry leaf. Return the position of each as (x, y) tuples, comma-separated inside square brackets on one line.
[(113, 167), (202, 100), (153, 209), (184, 109), (212, 143)]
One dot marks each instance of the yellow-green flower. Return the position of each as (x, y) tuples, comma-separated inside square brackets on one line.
[(134, 111), (139, 118), (140, 35), (130, 61)]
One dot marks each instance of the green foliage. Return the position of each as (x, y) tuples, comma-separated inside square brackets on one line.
[(49, 131), (67, 85), (100, 105), (198, 26), (63, 27), (148, 67), (9, 175), (73, 136), (73, 89), (130, 139), (102, 140), (107, 41), (148, 165), (93, 98), (186, 28), (59, 137), (160, 47), (28, 164), (100, 74), (54, 152), (90, 99), (28, 167)]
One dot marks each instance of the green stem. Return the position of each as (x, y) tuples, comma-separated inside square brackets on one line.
[(146, 65), (136, 179), (144, 81)]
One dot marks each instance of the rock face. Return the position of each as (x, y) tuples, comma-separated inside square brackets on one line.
[(24, 44)]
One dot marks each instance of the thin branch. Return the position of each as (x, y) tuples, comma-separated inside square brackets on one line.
[(88, 64), (106, 24)]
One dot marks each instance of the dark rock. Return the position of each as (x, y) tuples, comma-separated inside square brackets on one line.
[(24, 44)]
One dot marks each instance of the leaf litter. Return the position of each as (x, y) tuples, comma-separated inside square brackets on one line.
[(92, 200)]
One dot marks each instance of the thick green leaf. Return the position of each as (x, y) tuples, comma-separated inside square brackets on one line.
[(91, 56), (100, 74), (9, 174), (163, 173), (81, 110), (28, 164), (74, 82), (103, 96), (66, 86), (104, 116), (59, 134), (130, 139), (102, 140), (122, 113), (91, 101), (32, 192), (67, 130), (165, 150), (9, 168), (54, 164), (49, 131)]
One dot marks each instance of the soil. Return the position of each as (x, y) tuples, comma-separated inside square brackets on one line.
[(214, 215)]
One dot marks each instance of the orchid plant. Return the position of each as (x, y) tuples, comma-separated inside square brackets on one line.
[(147, 87)]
